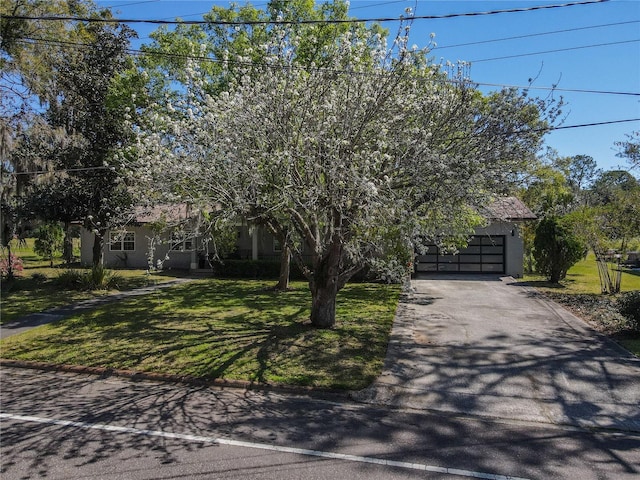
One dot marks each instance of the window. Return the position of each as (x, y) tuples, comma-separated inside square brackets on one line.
[(182, 241), (122, 241), (277, 246)]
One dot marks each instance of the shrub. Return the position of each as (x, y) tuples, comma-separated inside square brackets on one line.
[(99, 278), (629, 307), (556, 249), (102, 279), (10, 266), (70, 279), (39, 277), (259, 269)]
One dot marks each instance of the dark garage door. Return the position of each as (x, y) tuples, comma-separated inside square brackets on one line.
[(485, 254)]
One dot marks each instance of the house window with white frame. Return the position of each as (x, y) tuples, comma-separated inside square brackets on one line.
[(122, 241)]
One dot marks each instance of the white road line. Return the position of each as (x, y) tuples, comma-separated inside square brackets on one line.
[(261, 446)]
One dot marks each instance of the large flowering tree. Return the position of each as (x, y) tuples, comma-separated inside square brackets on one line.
[(363, 155)]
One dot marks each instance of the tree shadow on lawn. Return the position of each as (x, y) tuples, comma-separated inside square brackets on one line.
[(235, 332)]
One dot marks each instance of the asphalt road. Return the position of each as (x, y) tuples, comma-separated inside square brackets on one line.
[(70, 426)]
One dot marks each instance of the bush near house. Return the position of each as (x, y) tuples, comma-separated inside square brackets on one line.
[(629, 307), (269, 269), (556, 249)]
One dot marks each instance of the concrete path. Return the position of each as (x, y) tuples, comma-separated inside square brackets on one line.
[(489, 346), (54, 314)]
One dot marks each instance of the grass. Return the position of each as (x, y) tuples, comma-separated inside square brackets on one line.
[(581, 293), (225, 329), (583, 278), (35, 289)]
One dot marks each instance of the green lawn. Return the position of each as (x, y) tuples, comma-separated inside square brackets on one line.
[(35, 289), (583, 278), (225, 329)]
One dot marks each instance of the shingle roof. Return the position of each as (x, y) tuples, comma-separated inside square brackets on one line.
[(508, 208), (169, 213)]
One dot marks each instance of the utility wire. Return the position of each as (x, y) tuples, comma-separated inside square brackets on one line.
[(301, 22), (517, 37), (213, 60), (553, 51), (595, 124)]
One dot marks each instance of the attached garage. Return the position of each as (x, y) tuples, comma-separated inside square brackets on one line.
[(484, 254), (494, 249)]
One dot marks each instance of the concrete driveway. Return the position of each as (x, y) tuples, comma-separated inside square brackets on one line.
[(489, 346)]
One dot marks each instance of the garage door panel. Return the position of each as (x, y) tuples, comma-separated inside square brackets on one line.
[(485, 254), (495, 240), (470, 268), (492, 268)]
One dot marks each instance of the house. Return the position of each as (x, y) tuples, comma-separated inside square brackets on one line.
[(164, 236), (496, 248)]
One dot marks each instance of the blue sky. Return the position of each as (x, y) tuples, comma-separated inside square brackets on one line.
[(599, 51)]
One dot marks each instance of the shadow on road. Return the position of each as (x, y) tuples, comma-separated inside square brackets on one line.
[(268, 418)]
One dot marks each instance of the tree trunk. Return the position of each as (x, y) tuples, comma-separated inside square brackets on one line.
[(324, 288), (285, 267), (67, 247), (323, 309), (98, 243), (10, 272)]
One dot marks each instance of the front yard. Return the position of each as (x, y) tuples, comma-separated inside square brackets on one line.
[(38, 287), (225, 329), (242, 330)]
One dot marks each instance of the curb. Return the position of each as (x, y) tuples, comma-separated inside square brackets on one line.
[(135, 375)]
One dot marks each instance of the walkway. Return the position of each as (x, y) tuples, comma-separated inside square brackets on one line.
[(58, 313)]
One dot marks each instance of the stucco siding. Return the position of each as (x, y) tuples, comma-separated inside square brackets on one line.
[(514, 245)]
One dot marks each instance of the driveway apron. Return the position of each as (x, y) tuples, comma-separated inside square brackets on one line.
[(492, 347)]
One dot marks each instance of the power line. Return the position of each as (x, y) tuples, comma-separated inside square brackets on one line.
[(302, 22), (554, 51), (595, 124), (556, 89), (213, 60), (517, 37)]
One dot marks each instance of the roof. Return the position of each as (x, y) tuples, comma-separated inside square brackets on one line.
[(508, 208), (169, 213)]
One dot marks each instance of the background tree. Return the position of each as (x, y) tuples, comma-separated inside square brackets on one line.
[(48, 240), (65, 98), (57, 198), (376, 149), (630, 149), (546, 191), (88, 118)]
